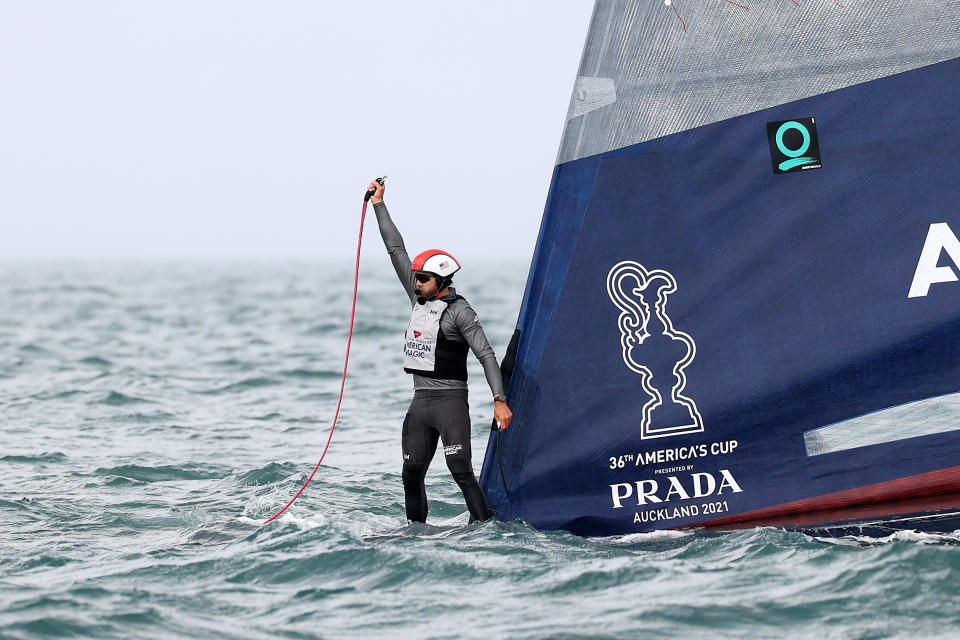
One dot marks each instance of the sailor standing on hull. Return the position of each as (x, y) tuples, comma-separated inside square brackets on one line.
[(442, 328)]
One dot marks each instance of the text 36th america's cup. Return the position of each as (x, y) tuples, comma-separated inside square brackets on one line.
[(676, 485), (676, 454)]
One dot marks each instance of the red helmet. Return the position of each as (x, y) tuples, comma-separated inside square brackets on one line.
[(436, 261)]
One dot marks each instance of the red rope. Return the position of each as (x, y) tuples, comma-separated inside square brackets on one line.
[(678, 15), (346, 359)]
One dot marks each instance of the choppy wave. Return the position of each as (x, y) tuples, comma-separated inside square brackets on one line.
[(310, 373), (186, 471), (243, 385), (155, 416), (52, 457), (273, 472), (117, 399)]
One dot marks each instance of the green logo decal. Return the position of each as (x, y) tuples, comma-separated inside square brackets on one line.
[(794, 145)]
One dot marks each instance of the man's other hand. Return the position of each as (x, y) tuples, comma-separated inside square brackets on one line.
[(502, 414)]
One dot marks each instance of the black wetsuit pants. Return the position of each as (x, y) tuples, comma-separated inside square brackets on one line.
[(439, 414)]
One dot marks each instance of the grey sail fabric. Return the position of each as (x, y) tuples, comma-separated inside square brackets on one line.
[(643, 77)]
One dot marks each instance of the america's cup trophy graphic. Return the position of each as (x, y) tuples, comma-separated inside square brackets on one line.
[(654, 349)]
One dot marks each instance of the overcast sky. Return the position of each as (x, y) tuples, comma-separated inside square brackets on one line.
[(249, 130)]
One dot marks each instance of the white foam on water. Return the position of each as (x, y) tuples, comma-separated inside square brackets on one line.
[(917, 537), (633, 538), (304, 523)]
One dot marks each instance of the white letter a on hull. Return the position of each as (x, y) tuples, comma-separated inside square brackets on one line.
[(939, 238)]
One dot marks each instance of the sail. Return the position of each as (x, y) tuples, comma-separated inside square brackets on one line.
[(744, 301)]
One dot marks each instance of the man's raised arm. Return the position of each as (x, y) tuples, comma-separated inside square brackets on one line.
[(393, 241)]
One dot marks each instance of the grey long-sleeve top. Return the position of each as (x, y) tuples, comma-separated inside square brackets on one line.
[(459, 322)]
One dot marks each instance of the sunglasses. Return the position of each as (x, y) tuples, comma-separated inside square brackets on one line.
[(423, 277)]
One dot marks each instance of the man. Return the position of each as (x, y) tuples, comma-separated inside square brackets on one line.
[(442, 327)]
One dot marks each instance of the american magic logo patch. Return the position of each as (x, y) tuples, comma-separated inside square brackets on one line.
[(794, 145)]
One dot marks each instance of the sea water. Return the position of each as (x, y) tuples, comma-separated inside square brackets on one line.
[(153, 415)]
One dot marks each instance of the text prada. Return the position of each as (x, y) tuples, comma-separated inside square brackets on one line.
[(695, 485)]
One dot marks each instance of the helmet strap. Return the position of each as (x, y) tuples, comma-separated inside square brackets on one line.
[(442, 283)]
